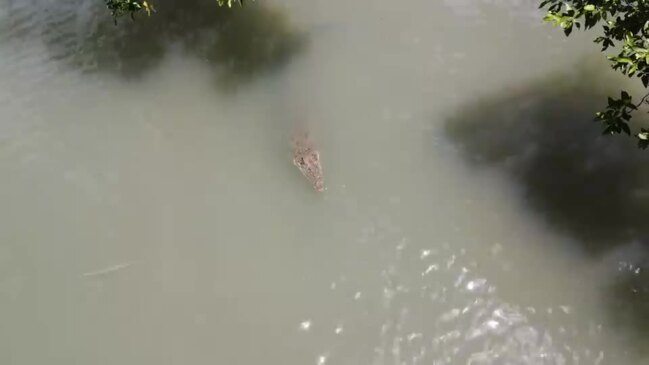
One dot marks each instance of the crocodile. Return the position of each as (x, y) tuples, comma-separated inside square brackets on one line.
[(307, 158)]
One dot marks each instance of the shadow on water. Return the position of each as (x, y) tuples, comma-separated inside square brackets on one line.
[(591, 187), (240, 42)]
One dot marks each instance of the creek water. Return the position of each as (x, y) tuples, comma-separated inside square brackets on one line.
[(159, 219)]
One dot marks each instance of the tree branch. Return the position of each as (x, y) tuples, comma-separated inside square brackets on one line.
[(643, 100)]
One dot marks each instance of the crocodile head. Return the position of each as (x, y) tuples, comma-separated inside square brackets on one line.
[(307, 159)]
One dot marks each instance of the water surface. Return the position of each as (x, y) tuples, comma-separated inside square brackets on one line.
[(158, 219)]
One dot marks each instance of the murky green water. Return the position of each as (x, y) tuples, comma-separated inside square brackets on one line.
[(151, 213)]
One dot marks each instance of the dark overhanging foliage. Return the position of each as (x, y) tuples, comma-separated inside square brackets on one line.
[(625, 27)]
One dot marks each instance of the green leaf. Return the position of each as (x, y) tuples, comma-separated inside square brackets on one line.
[(621, 60), (589, 7), (644, 135), (625, 128), (633, 69), (645, 80), (567, 30)]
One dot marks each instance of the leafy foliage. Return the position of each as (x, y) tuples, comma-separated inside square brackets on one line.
[(624, 23), (119, 8), (229, 2)]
